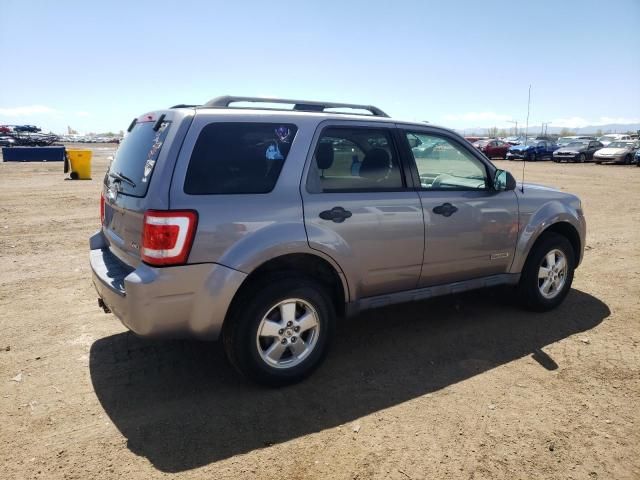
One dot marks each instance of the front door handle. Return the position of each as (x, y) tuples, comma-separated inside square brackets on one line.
[(445, 209), (336, 214)]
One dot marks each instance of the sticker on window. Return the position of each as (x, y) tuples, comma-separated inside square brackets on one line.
[(283, 134)]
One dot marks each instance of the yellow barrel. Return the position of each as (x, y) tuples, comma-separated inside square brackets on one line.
[(80, 161)]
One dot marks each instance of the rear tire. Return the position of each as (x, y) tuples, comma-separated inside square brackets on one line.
[(547, 274), (263, 339)]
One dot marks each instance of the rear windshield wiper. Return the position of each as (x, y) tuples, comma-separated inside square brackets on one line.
[(122, 178)]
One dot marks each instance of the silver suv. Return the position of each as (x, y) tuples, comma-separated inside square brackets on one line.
[(263, 225)]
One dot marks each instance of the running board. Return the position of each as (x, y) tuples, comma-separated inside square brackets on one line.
[(353, 308)]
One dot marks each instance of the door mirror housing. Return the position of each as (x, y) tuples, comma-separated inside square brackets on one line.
[(503, 181)]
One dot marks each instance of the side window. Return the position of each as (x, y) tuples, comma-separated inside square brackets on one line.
[(233, 158), (349, 159), (444, 164)]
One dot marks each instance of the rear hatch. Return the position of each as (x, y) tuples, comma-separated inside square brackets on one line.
[(126, 191)]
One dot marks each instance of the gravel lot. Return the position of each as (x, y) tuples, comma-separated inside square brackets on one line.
[(466, 387)]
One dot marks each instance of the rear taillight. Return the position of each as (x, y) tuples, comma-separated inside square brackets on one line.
[(167, 236), (101, 209)]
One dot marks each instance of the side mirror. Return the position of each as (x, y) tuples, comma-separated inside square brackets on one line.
[(414, 142), (503, 181)]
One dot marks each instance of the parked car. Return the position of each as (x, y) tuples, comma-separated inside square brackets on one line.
[(532, 150), (577, 151), (475, 139), (7, 141), (247, 224), (621, 151), (636, 158), (26, 128), (562, 141), (493, 148), (612, 137), (514, 140)]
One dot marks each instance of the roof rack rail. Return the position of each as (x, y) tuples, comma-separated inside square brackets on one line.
[(299, 105), (183, 105)]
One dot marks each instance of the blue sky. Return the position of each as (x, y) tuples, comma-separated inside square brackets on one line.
[(95, 66)]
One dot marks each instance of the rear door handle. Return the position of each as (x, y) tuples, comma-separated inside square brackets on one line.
[(336, 214), (445, 209)]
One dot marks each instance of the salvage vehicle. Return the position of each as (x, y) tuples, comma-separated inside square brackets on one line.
[(261, 227), (514, 140), (621, 151), (493, 148), (532, 150), (563, 141), (613, 137), (577, 151)]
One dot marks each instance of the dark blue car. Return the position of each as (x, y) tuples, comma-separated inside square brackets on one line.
[(532, 150)]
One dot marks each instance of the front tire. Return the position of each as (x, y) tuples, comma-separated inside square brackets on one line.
[(582, 158), (280, 334), (533, 157), (548, 273)]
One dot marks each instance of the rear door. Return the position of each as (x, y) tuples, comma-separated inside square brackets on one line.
[(126, 188), (359, 209), (471, 229)]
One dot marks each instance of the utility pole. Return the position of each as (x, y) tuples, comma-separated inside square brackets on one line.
[(516, 122), (544, 128)]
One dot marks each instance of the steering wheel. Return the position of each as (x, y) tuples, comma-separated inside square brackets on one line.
[(439, 179)]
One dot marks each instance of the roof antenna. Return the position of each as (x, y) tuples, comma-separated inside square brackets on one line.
[(526, 131)]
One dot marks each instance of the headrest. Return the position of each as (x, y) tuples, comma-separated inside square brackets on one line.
[(324, 156), (375, 164)]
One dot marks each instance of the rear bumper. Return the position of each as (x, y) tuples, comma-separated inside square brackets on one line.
[(188, 301)]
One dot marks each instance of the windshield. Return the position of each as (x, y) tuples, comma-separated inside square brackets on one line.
[(531, 142), (481, 143), (136, 156), (606, 139), (565, 140), (619, 144), (578, 144)]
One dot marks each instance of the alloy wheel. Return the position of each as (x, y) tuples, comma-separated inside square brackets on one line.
[(552, 273), (288, 333)]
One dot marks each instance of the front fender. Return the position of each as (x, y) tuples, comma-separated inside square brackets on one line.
[(533, 225)]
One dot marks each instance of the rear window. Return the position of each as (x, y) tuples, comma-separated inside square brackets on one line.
[(136, 156), (231, 158)]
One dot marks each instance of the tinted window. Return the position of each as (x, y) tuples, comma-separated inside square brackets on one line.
[(446, 165), (355, 159), (136, 156), (238, 158)]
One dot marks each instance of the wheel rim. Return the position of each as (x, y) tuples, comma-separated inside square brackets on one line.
[(552, 274), (288, 333)]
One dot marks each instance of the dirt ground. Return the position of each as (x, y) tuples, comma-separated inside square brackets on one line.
[(463, 387)]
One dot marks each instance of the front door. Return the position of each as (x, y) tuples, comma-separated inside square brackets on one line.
[(471, 229), (359, 211)]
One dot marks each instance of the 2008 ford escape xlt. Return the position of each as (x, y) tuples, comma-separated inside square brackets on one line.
[(263, 225)]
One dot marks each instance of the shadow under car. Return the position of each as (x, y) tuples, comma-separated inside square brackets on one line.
[(180, 405)]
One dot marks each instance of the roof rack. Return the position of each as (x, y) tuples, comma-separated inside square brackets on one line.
[(299, 105)]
